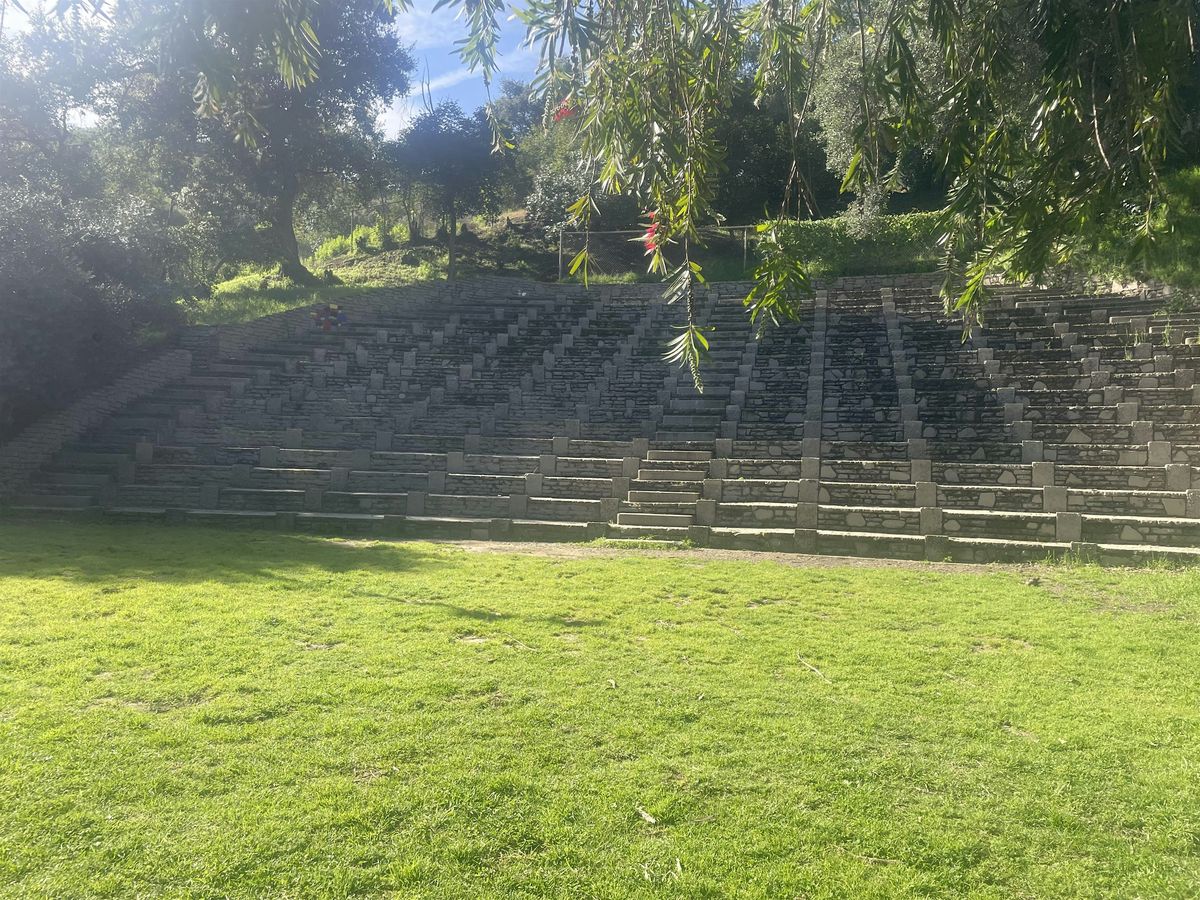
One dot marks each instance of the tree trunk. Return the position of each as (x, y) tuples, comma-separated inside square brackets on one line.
[(452, 264), (283, 225)]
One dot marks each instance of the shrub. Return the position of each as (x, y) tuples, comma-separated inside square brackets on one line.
[(339, 245), (77, 286), (364, 239), (1174, 256), (840, 246)]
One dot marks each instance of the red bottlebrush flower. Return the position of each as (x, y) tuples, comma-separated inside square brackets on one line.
[(565, 111), (650, 238)]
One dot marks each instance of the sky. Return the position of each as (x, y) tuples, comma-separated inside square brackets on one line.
[(430, 36)]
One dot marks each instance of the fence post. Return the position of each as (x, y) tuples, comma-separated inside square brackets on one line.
[(560, 253)]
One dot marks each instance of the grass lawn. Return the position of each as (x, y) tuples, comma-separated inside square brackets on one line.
[(221, 714)]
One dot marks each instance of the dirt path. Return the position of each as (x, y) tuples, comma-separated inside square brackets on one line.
[(798, 560)]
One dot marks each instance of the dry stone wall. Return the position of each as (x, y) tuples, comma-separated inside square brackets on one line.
[(37, 445), (872, 425)]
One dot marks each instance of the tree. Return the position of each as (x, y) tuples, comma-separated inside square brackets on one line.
[(519, 108), (1052, 120), (269, 126), (80, 264), (760, 146), (450, 156)]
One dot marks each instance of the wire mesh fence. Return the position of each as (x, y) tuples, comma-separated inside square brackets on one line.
[(726, 253)]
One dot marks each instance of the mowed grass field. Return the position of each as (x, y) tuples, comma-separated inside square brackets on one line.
[(198, 713)]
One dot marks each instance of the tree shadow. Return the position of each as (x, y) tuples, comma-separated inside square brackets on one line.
[(98, 553), (112, 556), (492, 615)]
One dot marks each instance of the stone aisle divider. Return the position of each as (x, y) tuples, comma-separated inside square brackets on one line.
[(920, 466), (808, 510)]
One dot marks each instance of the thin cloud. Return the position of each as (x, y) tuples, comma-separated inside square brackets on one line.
[(425, 29), (519, 62), (449, 79)]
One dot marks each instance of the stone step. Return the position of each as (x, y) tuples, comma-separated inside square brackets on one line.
[(70, 476), (690, 422), (86, 458), (679, 455), (706, 403), (1119, 553), (54, 501), (656, 520), (674, 475), (663, 496), (659, 508), (644, 532), (684, 436), (661, 465), (960, 549), (684, 487), (704, 444)]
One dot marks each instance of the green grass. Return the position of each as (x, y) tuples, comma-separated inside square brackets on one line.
[(189, 713), (1174, 256), (901, 244), (256, 294)]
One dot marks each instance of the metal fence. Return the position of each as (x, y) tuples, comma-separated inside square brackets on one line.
[(727, 253)]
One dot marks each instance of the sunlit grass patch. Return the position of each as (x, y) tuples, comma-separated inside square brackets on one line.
[(191, 712)]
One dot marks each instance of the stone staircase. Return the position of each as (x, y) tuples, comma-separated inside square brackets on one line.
[(668, 488), (870, 426)]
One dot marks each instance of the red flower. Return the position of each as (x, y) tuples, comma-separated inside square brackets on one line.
[(565, 111), (650, 238)]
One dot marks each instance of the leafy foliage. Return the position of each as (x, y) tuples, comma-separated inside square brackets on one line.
[(269, 130), (449, 156), (834, 247), (81, 271), (1044, 116), (1175, 257), (77, 286)]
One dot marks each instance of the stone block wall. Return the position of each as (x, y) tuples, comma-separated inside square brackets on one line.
[(36, 445)]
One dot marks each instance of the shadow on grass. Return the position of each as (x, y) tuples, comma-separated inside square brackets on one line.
[(96, 553), (492, 615)]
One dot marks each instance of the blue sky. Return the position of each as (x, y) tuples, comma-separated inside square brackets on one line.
[(431, 36)]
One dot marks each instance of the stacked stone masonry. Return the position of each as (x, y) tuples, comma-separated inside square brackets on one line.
[(872, 426)]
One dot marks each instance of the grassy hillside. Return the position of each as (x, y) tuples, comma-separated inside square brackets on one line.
[(830, 248), (898, 244), (363, 261), (1175, 257)]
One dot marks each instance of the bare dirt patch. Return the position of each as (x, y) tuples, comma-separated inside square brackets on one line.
[(709, 554)]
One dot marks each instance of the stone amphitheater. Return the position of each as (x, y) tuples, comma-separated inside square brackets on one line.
[(1070, 424)]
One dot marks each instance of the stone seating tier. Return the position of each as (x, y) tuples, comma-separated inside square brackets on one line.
[(873, 425)]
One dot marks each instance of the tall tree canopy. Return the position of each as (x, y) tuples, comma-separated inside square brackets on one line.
[(450, 154), (255, 101), (1052, 121)]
